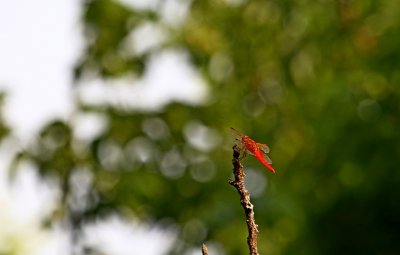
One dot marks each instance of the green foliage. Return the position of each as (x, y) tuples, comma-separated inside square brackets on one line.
[(316, 80)]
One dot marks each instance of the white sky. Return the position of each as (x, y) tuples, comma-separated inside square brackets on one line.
[(40, 42)]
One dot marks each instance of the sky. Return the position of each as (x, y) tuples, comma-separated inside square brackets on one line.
[(40, 41)]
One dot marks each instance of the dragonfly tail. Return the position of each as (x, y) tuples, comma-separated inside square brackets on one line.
[(265, 163)]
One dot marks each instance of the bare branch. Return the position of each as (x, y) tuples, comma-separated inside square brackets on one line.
[(204, 249), (238, 183)]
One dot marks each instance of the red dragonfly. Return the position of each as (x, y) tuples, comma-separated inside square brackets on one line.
[(258, 150)]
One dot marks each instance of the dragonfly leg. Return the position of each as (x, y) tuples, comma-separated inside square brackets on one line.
[(242, 149), (244, 154)]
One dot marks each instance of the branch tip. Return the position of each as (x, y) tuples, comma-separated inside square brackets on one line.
[(204, 249)]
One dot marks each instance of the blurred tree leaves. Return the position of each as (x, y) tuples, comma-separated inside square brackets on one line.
[(317, 81)]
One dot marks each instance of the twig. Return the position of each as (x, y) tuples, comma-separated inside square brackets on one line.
[(238, 183), (204, 249)]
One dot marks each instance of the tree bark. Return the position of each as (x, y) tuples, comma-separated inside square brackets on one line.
[(238, 183)]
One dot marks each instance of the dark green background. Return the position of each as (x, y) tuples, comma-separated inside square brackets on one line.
[(318, 81)]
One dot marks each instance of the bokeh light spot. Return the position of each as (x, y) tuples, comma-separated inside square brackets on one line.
[(110, 155), (155, 128), (369, 110), (194, 230), (203, 171), (140, 150), (201, 137), (255, 182), (173, 165), (221, 67)]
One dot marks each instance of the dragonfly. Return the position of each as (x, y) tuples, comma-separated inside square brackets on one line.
[(249, 146)]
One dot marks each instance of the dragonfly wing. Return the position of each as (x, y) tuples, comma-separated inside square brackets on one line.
[(238, 137), (263, 147), (236, 134), (269, 161)]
